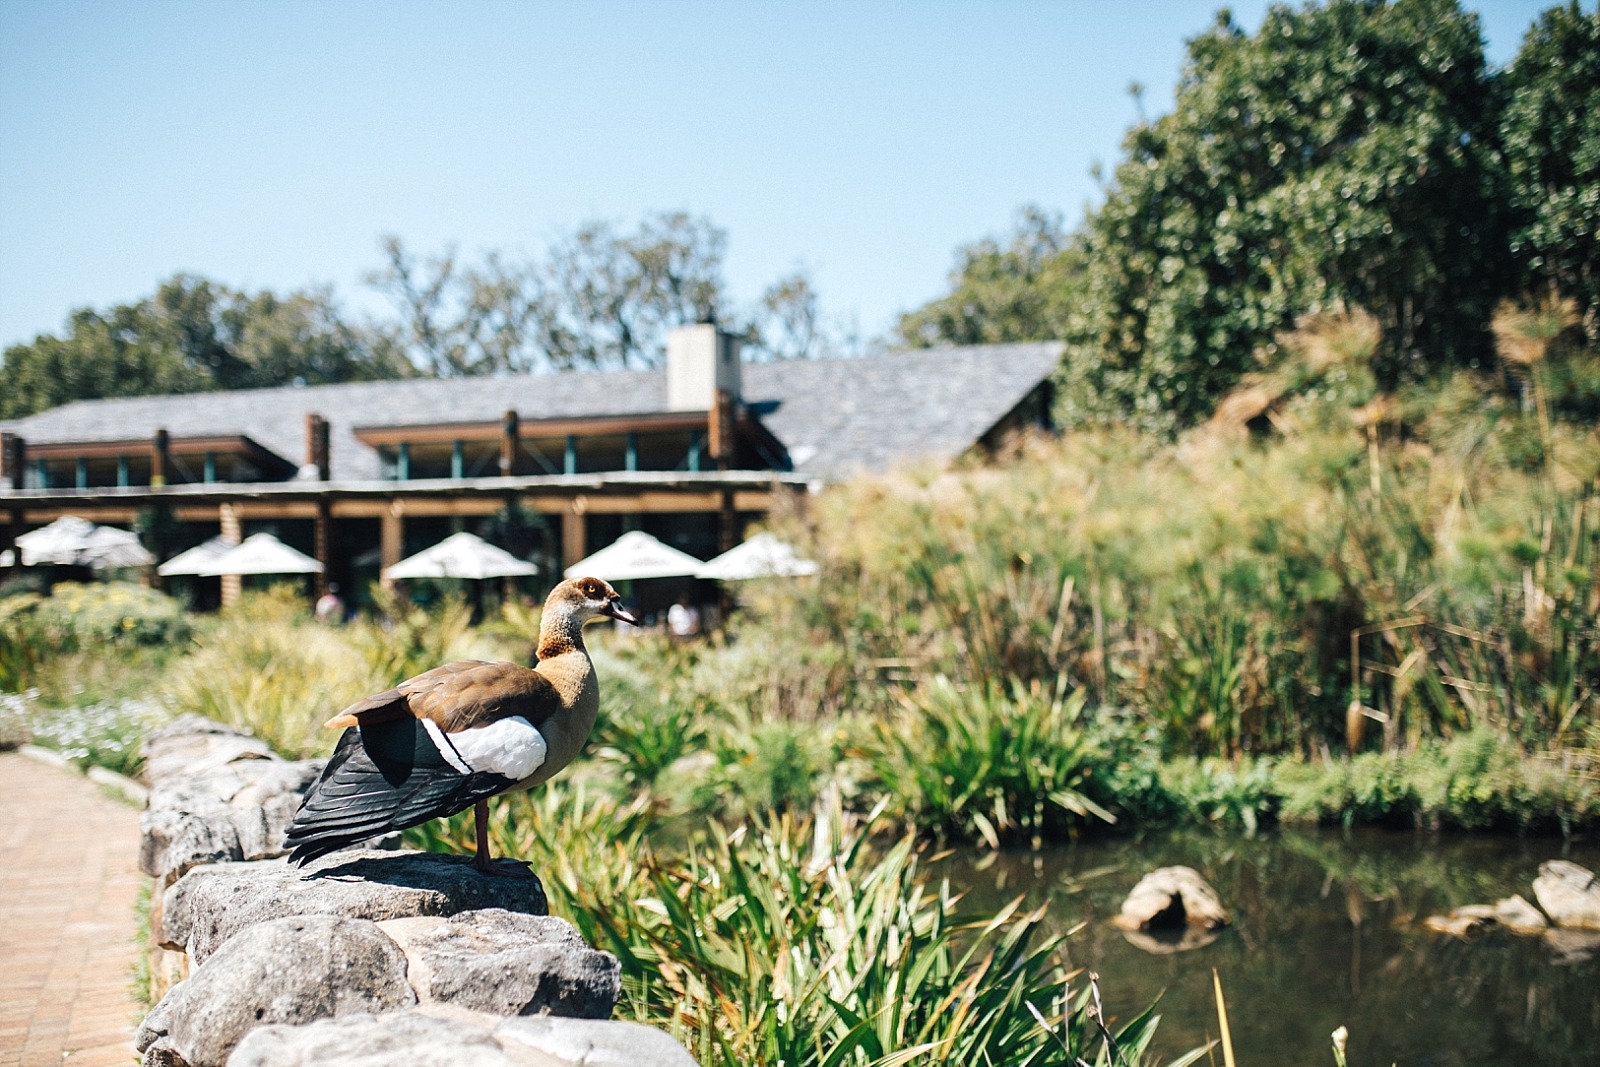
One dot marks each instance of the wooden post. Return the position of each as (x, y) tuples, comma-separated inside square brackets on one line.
[(719, 429), (324, 529), (391, 537), (727, 523), (9, 530), (232, 533), (160, 445), (13, 460), (510, 432), (573, 532)]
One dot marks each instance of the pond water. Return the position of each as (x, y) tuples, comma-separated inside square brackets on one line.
[(1327, 933)]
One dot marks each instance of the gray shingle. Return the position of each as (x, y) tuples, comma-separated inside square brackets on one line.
[(835, 416)]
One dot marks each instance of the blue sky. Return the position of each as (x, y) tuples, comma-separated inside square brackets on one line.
[(269, 145)]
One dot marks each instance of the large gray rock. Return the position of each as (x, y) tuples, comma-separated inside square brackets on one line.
[(1171, 898), (400, 1039), (442, 1037), (292, 970), (194, 744), (590, 1043), (507, 963), (236, 810), (1569, 894), (210, 904)]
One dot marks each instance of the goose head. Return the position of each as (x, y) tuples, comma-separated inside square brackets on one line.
[(585, 599)]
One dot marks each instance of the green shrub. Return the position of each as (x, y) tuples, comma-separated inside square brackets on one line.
[(991, 765), (77, 616)]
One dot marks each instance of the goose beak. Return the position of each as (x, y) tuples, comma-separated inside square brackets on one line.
[(615, 609)]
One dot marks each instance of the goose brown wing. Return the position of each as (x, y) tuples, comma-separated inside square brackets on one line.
[(382, 777), (459, 696)]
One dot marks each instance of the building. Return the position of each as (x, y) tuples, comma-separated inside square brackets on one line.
[(361, 474)]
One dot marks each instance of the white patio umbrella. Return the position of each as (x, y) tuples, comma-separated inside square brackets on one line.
[(59, 542), (262, 554), (193, 560), (461, 555), (636, 555), (107, 548), (763, 556), (73, 540)]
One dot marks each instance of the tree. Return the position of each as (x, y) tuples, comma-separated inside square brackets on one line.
[(1344, 155), (613, 297), (193, 335), (787, 323), (1017, 291), (600, 299), (1551, 131)]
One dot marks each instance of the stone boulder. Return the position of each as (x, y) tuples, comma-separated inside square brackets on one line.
[(507, 963), (444, 1037), (1171, 898), (194, 744), (1569, 894), (1520, 917), (373, 1041), (1471, 921), (212, 903), (236, 810), (590, 1043), (291, 970)]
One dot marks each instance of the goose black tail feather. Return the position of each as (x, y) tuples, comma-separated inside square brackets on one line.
[(382, 777)]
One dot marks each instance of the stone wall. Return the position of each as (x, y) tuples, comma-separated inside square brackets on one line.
[(369, 956)]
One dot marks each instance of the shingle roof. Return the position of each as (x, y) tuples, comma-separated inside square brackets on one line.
[(838, 417), (835, 416)]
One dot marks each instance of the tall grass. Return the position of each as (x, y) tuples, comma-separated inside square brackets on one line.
[(794, 940), (1324, 588), (265, 667), (994, 763)]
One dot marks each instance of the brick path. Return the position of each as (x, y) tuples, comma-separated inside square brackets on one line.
[(69, 877)]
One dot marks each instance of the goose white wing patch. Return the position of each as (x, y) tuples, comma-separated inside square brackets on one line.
[(512, 748)]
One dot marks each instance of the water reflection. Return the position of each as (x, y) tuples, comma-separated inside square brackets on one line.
[(1327, 932)]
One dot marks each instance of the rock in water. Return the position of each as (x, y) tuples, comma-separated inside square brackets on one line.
[(1569, 894), (1520, 917), (292, 970), (1171, 898)]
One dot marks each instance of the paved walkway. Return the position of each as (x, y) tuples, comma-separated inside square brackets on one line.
[(69, 876)]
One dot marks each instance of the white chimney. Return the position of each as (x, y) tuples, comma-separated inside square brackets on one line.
[(701, 359)]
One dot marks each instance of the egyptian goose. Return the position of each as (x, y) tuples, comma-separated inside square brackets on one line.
[(451, 738)]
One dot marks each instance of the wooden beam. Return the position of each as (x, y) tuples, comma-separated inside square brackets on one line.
[(485, 432), (574, 545)]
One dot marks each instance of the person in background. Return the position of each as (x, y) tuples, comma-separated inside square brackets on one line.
[(683, 619), (330, 608)]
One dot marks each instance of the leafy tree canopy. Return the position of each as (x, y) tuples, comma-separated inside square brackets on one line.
[(193, 335), (1019, 290), (601, 298), (1348, 154), (1551, 131)]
